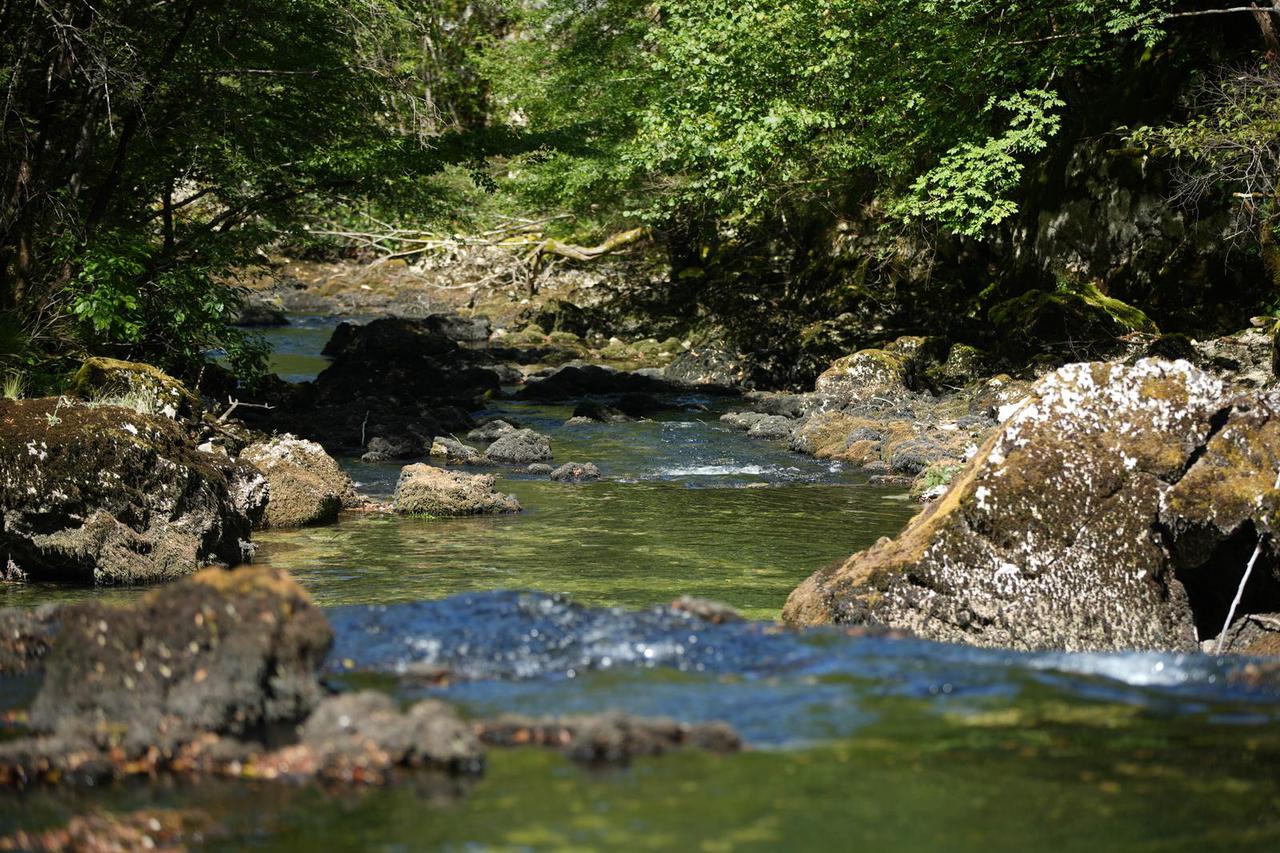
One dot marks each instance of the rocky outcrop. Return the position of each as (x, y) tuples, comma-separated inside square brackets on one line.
[(862, 376), (306, 486), (431, 491), (1110, 510), (519, 447), (104, 494)]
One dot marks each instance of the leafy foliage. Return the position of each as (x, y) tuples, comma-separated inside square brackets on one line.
[(738, 109)]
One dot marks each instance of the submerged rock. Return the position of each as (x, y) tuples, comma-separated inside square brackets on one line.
[(1072, 527), (307, 486), (609, 738), (576, 472), (428, 490), (519, 447), (104, 494)]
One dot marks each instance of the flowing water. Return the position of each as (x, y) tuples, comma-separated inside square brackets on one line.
[(854, 742)]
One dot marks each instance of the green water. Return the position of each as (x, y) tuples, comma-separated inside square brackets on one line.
[(603, 543), (916, 783)]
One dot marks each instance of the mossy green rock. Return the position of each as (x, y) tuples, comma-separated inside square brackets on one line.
[(865, 374), (141, 384), (1077, 323), (1056, 534), (102, 494)]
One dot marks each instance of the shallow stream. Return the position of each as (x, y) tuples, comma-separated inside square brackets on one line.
[(854, 742)]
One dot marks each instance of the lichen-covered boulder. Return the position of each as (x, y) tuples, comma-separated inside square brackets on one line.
[(519, 447), (1060, 533), (306, 485), (865, 374), (428, 490), (226, 652), (135, 385), (102, 494)]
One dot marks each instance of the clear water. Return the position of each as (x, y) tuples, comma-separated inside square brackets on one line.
[(854, 743)]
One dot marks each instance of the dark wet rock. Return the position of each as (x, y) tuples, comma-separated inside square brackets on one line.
[(787, 405), (468, 330), (26, 635), (1084, 323), (519, 447), (716, 612), (402, 358), (224, 652), (361, 734), (576, 472), (1067, 528), (452, 451), (609, 738), (491, 430), (594, 411), (710, 364), (581, 380), (539, 468), (428, 490), (307, 486), (104, 494), (558, 315), (381, 449), (914, 455), (136, 386), (261, 310)]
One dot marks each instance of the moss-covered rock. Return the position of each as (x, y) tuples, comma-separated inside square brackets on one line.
[(134, 385), (306, 485), (1078, 322), (865, 374), (1051, 535), (103, 494)]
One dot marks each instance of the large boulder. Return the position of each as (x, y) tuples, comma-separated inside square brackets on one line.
[(104, 494), (519, 447), (1080, 322), (307, 486), (1115, 508), (428, 490), (225, 652), (865, 374)]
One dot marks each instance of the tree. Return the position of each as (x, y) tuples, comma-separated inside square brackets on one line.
[(147, 149)]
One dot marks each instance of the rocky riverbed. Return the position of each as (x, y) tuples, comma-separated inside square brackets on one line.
[(1089, 525)]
